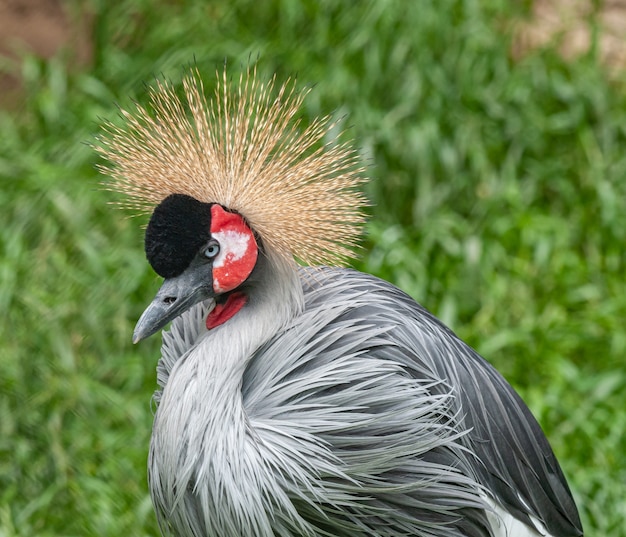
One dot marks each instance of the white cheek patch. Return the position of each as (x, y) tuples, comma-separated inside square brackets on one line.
[(233, 246)]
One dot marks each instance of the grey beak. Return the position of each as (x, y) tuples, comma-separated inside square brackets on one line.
[(175, 296)]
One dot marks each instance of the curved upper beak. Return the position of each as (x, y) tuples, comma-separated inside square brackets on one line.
[(175, 296)]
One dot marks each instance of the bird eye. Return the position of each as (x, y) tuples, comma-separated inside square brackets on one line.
[(211, 250)]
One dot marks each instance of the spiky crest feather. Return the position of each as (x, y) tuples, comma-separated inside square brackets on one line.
[(246, 152)]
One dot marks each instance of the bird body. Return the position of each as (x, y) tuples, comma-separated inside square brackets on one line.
[(359, 406), (307, 401)]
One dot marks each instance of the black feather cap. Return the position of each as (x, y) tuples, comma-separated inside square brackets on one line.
[(179, 226)]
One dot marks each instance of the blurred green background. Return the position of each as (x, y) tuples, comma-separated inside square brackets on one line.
[(498, 201)]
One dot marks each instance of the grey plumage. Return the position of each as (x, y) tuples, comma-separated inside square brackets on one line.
[(306, 402), (361, 414)]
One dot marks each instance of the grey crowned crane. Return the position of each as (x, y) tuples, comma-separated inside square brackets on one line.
[(300, 401)]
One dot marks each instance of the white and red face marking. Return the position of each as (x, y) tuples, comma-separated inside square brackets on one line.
[(238, 250)]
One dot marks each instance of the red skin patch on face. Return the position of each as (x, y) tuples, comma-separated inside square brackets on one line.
[(223, 312), (238, 250)]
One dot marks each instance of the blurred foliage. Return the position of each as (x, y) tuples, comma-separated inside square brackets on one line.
[(498, 201)]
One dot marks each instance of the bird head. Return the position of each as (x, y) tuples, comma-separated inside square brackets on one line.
[(230, 182), (203, 251)]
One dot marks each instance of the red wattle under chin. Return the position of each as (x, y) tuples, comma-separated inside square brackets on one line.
[(223, 312)]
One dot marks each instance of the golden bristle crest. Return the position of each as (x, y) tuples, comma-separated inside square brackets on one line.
[(245, 151)]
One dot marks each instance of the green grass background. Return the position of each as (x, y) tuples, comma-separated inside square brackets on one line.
[(499, 202)]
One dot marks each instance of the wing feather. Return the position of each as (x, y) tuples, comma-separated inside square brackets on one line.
[(513, 457)]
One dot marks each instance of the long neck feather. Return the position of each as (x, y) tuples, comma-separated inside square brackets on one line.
[(201, 426)]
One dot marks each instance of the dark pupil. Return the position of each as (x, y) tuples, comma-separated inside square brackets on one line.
[(211, 251)]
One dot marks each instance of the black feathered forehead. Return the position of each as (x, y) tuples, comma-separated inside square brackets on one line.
[(178, 227)]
